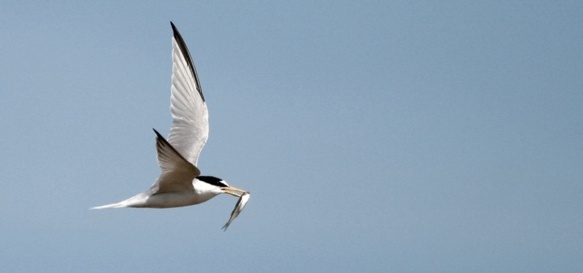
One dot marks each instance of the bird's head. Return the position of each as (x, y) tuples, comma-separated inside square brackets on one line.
[(219, 186)]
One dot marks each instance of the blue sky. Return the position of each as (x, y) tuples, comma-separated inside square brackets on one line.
[(375, 136)]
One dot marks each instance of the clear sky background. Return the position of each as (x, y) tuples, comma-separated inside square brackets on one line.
[(374, 136)]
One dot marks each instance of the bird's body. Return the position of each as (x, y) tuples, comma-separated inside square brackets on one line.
[(180, 183), (201, 193)]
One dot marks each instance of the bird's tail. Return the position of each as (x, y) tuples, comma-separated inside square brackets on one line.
[(115, 205), (136, 201)]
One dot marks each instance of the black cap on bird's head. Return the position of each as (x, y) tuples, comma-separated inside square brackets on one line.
[(215, 181), (225, 188)]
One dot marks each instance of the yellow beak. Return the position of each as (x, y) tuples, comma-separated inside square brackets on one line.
[(234, 191)]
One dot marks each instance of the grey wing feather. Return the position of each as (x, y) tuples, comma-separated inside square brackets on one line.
[(177, 173), (190, 127)]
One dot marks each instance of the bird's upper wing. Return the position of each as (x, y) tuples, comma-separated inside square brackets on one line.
[(190, 127), (177, 173)]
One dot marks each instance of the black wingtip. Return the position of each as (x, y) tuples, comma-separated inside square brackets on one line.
[(174, 29), (158, 134), (187, 56)]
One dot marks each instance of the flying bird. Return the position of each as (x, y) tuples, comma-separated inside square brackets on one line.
[(180, 182)]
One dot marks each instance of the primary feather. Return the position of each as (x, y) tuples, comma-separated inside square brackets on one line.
[(190, 126)]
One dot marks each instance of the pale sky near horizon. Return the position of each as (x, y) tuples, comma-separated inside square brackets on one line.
[(374, 136)]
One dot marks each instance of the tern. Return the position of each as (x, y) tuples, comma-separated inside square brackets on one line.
[(180, 182)]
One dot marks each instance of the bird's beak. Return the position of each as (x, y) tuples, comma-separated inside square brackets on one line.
[(234, 191)]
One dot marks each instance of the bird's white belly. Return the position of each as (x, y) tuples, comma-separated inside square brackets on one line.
[(171, 200)]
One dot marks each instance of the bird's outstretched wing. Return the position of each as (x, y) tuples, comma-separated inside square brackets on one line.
[(177, 173), (190, 127)]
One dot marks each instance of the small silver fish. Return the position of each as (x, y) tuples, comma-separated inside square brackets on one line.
[(238, 208)]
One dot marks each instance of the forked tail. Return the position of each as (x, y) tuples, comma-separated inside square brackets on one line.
[(115, 205), (136, 201)]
